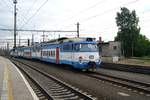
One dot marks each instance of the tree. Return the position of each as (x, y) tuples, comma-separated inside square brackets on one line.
[(142, 47), (128, 30)]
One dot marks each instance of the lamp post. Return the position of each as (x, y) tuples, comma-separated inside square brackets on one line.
[(15, 15), (78, 35)]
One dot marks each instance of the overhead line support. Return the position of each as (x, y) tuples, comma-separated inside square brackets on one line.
[(15, 22), (78, 35), (39, 30)]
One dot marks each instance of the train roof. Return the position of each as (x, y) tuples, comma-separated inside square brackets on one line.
[(67, 40), (64, 39), (60, 41)]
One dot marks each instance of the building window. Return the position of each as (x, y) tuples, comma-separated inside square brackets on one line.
[(114, 47)]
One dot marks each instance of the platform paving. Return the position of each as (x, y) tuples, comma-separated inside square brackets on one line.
[(13, 85)]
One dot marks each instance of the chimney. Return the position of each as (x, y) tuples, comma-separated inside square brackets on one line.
[(28, 42), (100, 39)]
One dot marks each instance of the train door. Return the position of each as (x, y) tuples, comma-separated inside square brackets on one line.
[(57, 55), (67, 53), (41, 53), (30, 53), (72, 53)]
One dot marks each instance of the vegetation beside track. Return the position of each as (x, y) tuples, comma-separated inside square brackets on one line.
[(135, 61), (141, 61), (127, 68)]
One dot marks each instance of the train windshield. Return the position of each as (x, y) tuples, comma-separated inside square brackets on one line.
[(86, 47)]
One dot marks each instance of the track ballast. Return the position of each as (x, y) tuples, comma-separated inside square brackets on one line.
[(57, 89)]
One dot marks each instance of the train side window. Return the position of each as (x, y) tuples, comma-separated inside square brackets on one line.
[(77, 47), (38, 49), (54, 53), (49, 53), (44, 53), (67, 47)]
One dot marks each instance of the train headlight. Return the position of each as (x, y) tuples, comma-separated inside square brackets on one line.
[(100, 59), (80, 59)]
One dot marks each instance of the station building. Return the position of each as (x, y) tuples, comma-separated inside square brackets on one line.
[(109, 50)]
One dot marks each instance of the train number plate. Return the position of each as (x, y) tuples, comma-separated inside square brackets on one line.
[(91, 57)]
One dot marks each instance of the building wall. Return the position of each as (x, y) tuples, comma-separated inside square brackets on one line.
[(104, 50), (110, 49), (115, 48)]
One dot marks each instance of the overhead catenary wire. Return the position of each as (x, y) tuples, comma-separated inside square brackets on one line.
[(25, 30), (73, 24), (28, 10), (7, 5), (110, 10), (87, 9), (23, 16), (34, 14), (104, 12), (3, 26), (140, 21), (83, 11), (112, 27)]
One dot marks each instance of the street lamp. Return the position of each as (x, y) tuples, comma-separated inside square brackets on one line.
[(15, 15)]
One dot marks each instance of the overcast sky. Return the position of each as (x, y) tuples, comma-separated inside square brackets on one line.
[(96, 17)]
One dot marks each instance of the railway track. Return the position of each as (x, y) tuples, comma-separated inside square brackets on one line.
[(39, 91), (57, 89), (141, 87)]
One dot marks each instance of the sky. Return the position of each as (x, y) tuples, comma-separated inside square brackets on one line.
[(96, 18)]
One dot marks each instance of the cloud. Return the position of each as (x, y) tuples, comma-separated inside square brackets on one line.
[(96, 18)]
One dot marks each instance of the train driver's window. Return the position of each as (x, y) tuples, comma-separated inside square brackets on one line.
[(77, 47), (67, 47)]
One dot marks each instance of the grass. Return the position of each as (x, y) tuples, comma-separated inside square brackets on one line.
[(143, 61), (135, 61)]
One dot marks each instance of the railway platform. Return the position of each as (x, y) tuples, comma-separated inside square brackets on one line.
[(13, 85)]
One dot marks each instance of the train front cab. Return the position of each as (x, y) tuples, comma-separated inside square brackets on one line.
[(83, 56)]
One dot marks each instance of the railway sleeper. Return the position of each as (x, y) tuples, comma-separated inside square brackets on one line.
[(64, 96), (54, 85), (62, 93), (65, 90), (58, 89), (42, 97)]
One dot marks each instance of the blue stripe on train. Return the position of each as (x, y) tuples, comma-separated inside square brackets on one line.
[(83, 65)]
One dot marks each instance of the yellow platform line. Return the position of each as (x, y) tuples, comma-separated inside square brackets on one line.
[(10, 86), (7, 90)]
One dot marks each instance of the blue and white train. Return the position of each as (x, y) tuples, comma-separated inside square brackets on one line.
[(80, 53)]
